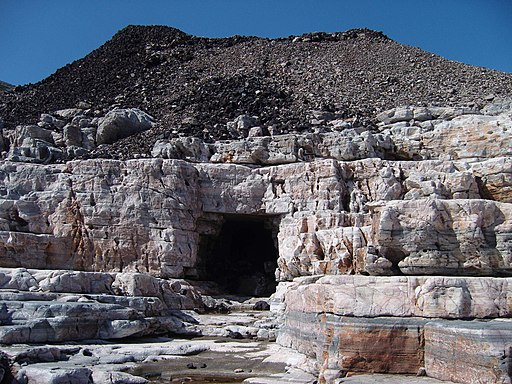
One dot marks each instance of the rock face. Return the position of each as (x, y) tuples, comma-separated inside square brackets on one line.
[(71, 222), (41, 306), (402, 245), (468, 352), (387, 229)]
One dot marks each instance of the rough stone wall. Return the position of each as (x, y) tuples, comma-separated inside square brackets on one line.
[(101, 215), (421, 233), (372, 216)]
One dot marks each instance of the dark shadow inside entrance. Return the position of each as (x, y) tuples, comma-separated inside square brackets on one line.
[(242, 258)]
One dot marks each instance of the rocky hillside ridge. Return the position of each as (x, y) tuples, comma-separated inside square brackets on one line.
[(195, 86)]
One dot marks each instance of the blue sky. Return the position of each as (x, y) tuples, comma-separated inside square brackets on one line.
[(39, 36)]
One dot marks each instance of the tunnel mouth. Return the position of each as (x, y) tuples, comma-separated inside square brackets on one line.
[(242, 257)]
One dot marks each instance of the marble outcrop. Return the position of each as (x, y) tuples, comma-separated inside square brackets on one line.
[(48, 306), (385, 238)]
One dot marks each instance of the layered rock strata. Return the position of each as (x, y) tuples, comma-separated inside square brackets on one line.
[(369, 216), (382, 239), (49, 306)]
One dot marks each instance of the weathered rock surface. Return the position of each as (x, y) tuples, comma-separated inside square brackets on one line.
[(347, 324), (94, 362), (469, 352), (349, 144), (355, 344), (388, 230), (121, 123), (65, 215), (129, 362), (463, 137), (143, 223), (71, 221), (445, 236), (403, 296), (437, 133), (40, 306), (389, 379), (72, 133), (449, 215)]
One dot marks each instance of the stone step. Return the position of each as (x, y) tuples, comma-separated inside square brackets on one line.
[(403, 296), (466, 351), (62, 329), (103, 286), (469, 351), (27, 310), (53, 330)]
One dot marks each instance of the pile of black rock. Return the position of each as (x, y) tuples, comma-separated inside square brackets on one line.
[(194, 86)]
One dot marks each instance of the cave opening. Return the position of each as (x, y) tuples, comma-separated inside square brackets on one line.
[(242, 256)]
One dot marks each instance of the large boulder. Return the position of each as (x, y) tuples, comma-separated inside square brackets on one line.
[(121, 123)]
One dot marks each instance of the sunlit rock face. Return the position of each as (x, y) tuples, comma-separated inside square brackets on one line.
[(365, 184), (101, 216), (377, 239)]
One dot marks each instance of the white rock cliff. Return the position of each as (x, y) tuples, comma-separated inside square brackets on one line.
[(383, 239)]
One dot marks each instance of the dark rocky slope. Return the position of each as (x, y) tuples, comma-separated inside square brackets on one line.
[(194, 86), (5, 87)]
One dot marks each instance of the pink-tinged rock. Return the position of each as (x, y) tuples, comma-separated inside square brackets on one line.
[(444, 237), (101, 215), (495, 178), (463, 137), (404, 296), (476, 352), (352, 344), (321, 243), (369, 216)]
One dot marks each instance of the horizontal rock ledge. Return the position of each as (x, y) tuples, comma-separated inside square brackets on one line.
[(403, 296), (469, 352), (383, 344), (476, 351)]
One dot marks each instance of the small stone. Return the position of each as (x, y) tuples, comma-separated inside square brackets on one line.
[(190, 121), (261, 306), (84, 105), (46, 118), (255, 132), (238, 370), (236, 335)]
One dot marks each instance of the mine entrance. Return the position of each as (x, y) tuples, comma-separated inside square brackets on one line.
[(242, 257)]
